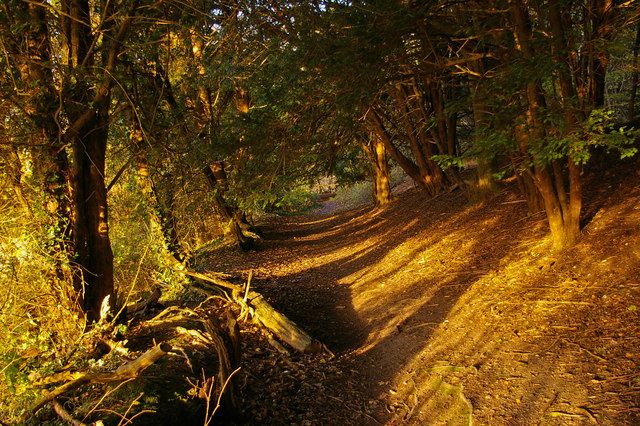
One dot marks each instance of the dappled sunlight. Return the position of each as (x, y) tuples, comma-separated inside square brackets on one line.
[(535, 307), (456, 299), (459, 313), (389, 293), (407, 275)]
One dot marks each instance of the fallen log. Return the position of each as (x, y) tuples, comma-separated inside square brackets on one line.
[(225, 349), (126, 371), (285, 329), (282, 327)]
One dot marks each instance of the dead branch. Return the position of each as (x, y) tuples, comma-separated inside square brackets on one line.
[(281, 326), (223, 391), (176, 312), (64, 415), (225, 350), (226, 344), (234, 334), (127, 371), (212, 279), (285, 329), (246, 289)]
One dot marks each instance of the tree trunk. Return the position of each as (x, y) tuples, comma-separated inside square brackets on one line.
[(50, 157), (631, 113), (230, 227), (485, 183), (409, 167), (160, 197), (428, 175), (222, 184), (88, 107), (377, 154), (233, 220), (429, 146), (602, 26), (90, 213), (563, 213), (445, 132), (524, 172), (162, 216), (572, 117)]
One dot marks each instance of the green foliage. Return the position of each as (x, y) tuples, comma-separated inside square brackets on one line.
[(601, 132), (487, 143), (351, 166), (299, 200), (596, 131), (40, 323), (445, 161)]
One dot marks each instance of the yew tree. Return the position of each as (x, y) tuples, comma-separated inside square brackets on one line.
[(61, 61)]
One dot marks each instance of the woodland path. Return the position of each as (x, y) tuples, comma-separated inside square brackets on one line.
[(440, 309)]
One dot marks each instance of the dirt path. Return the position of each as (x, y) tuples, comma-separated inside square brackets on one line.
[(443, 312)]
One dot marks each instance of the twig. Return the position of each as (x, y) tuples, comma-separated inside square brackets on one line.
[(64, 414), (592, 418), (124, 416), (209, 298), (196, 334), (246, 290), (186, 358), (139, 413), (134, 281), (586, 350), (97, 404), (208, 419), (224, 386), (170, 310), (136, 307), (119, 173), (565, 414)]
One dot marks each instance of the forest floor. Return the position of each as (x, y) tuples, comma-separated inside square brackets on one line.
[(441, 311)]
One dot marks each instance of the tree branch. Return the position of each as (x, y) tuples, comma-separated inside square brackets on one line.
[(126, 371)]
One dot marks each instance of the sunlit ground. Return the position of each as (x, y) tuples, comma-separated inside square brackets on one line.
[(464, 312), (509, 333)]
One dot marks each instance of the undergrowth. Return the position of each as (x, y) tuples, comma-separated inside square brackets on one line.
[(360, 193)]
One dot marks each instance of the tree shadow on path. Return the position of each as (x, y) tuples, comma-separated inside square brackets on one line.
[(373, 285)]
